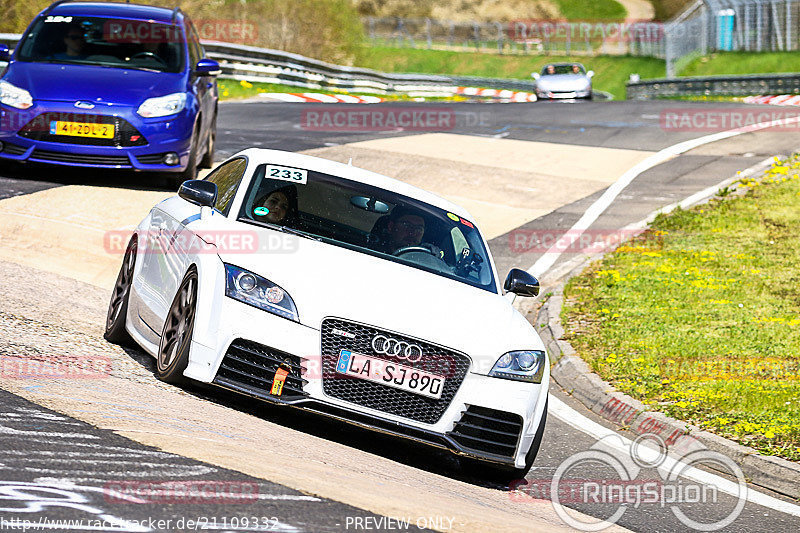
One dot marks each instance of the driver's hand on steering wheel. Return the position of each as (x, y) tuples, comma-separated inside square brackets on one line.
[(425, 246)]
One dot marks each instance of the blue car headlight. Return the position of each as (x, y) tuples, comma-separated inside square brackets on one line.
[(162, 106), (525, 365), (14, 96), (252, 289)]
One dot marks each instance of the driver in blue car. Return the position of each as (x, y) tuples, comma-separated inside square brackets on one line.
[(75, 42)]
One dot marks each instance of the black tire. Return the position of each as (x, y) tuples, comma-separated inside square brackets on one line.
[(176, 337), (506, 474), (211, 142), (118, 306), (190, 172)]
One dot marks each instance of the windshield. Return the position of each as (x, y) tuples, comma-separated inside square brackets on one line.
[(368, 220), (105, 42), (549, 70)]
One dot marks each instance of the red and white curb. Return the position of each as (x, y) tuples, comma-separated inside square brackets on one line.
[(505, 94), (781, 99), (498, 94), (322, 98)]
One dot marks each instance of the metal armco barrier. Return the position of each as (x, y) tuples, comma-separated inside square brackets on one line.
[(253, 64), (753, 84)]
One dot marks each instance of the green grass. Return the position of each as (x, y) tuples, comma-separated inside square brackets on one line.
[(699, 317), (611, 72), (592, 10), (743, 63), (237, 90)]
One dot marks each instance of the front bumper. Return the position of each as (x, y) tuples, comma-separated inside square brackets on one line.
[(563, 95), (487, 418), (160, 135)]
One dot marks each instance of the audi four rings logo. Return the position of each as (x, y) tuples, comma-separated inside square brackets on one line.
[(400, 349)]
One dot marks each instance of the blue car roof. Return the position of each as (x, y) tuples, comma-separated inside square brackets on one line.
[(109, 9)]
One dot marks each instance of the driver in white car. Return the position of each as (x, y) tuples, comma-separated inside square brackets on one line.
[(404, 228)]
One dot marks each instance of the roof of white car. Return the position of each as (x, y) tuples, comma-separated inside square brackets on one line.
[(333, 168)]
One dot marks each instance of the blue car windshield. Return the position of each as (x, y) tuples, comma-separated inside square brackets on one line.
[(106, 42), (368, 220)]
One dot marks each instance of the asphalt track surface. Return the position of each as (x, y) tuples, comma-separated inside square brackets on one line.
[(45, 448)]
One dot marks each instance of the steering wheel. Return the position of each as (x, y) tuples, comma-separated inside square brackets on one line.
[(150, 55), (408, 249)]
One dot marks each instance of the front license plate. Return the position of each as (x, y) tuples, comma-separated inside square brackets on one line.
[(82, 129), (391, 374)]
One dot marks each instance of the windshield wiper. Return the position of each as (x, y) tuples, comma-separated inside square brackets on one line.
[(287, 229)]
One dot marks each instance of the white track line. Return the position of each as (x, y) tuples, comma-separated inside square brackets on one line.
[(549, 258), (598, 432)]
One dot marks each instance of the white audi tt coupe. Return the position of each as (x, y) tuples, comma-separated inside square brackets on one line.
[(319, 285)]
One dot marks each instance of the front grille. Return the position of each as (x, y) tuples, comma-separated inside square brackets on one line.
[(437, 360), (125, 134), (488, 430), (13, 149), (83, 159), (151, 159), (250, 367)]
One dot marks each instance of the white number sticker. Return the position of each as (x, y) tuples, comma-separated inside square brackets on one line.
[(295, 175), (56, 18)]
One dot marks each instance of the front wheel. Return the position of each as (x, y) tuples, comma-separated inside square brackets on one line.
[(208, 158), (190, 172), (173, 350), (118, 306)]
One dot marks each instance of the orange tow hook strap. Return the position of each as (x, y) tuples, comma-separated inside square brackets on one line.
[(277, 383)]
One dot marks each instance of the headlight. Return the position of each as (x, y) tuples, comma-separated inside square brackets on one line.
[(163, 105), (259, 292), (525, 365), (14, 96)]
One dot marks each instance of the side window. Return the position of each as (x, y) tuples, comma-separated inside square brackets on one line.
[(193, 41), (459, 241), (227, 177)]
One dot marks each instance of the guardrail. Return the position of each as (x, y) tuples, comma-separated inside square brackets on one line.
[(745, 85), (249, 63)]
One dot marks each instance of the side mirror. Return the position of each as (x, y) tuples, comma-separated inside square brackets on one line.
[(207, 67), (5, 55), (536, 75), (590, 74), (199, 192), (521, 283)]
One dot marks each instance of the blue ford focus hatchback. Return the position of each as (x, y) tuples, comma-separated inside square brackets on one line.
[(110, 85)]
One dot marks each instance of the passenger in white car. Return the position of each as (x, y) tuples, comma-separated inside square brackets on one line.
[(281, 206)]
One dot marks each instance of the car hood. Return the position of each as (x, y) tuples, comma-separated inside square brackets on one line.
[(563, 82), (328, 281), (70, 83)]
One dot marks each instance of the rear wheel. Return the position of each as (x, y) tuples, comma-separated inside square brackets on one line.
[(118, 306), (173, 350)]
